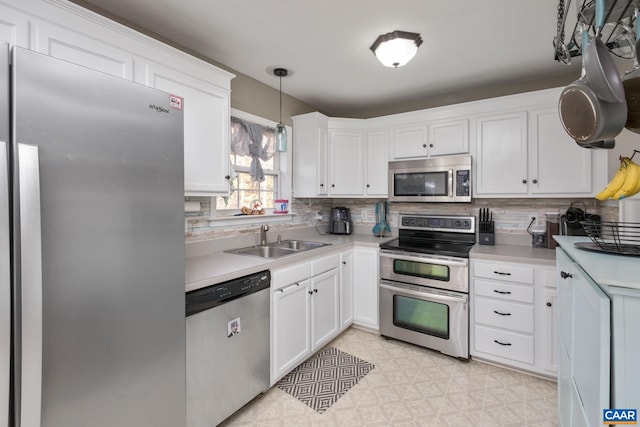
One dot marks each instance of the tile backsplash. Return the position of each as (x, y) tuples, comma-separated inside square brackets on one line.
[(511, 216)]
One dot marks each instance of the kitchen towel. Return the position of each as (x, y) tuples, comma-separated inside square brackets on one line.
[(324, 378)]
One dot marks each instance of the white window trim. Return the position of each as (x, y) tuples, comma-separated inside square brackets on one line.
[(285, 182)]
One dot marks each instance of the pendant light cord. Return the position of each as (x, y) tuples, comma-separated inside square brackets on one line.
[(280, 99)]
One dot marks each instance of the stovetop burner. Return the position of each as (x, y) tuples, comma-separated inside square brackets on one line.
[(447, 235)]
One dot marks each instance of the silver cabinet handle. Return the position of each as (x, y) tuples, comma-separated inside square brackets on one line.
[(28, 287)]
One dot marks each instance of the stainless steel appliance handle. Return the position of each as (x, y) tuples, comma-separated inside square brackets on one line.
[(5, 286), (423, 294), (434, 259), (450, 179), (28, 291)]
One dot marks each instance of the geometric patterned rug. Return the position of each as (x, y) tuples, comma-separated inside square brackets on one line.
[(320, 381)]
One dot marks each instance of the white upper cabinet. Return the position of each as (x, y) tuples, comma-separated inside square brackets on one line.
[(557, 163), (376, 164), (206, 129), (350, 160), (522, 150), (71, 33), (501, 154), (346, 162), (14, 27), (432, 138), (410, 142), (310, 150), (448, 136), (63, 43)]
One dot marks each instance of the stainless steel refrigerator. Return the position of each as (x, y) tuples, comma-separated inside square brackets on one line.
[(92, 324)]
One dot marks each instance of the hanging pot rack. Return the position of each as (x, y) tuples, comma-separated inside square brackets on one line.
[(617, 33)]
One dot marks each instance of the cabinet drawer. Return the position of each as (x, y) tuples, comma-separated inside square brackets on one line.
[(504, 314), (323, 264), (507, 272), (288, 275), (505, 291), (509, 345)]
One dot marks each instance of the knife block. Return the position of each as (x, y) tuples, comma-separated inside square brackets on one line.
[(487, 239)]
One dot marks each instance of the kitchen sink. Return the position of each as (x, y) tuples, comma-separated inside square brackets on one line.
[(299, 245), (278, 249)]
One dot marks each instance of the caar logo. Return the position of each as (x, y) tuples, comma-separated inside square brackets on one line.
[(620, 416)]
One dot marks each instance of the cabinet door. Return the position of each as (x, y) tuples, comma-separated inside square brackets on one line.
[(347, 163), (591, 342), (448, 137), (557, 164), (310, 150), (14, 28), (409, 141), (550, 342), (365, 292), (322, 171), (325, 307), (501, 154), (206, 129), (346, 289), (291, 328), (377, 165), (79, 49)]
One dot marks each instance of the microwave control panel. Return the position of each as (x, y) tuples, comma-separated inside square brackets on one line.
[(462, 183)]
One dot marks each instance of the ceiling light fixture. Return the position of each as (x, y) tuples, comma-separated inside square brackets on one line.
[(281, 131), (396, 48)]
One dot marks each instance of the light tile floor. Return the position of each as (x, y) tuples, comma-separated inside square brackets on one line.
[(412, 386)]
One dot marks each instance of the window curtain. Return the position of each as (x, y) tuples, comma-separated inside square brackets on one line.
[(252, 139)]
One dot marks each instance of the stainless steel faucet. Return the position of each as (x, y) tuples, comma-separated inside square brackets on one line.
[(263, 234)]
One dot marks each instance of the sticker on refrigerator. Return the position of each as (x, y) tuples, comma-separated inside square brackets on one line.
[(175, 102), (233, 327)]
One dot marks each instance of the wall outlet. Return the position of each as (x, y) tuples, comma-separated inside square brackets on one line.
[(364, 214), (318, 215)]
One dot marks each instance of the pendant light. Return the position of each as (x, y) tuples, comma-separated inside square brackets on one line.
[(281, 131)]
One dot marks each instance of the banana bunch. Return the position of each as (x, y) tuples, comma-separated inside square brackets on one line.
[(625, 183)]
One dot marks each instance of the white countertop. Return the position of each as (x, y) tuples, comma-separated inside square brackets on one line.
[(616, 271), (215, 267), (514, 253)]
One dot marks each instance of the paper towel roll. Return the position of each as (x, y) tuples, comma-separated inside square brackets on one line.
[(192, 206)]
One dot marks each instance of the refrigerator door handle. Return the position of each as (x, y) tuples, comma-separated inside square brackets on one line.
[(28, 291), (5, 286)]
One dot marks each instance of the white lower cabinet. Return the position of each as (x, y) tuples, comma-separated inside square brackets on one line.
[(365, 288), (305, 311), (510, 321), (346, 288), (584, 371), (325, 307)]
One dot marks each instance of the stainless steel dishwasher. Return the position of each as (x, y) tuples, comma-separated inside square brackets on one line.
[(227, 347)]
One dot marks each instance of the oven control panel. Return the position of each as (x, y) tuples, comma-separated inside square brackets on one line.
[(462, 224)]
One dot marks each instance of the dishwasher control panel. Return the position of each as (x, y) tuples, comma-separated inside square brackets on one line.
[(212, 296)]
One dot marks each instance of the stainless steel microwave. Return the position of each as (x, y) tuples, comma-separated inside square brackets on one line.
[(435, 179)]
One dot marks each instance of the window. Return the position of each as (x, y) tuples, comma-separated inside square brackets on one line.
[(256, 171)]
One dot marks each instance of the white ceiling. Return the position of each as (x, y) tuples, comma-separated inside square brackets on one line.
[(467, 44)]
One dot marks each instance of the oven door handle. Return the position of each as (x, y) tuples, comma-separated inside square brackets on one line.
[(422, 294), (421, 258)]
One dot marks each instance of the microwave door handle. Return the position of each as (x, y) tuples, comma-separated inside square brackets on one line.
[(451, 183)]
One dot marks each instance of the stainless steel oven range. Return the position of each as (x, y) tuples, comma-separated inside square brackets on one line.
[(424, 282)]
